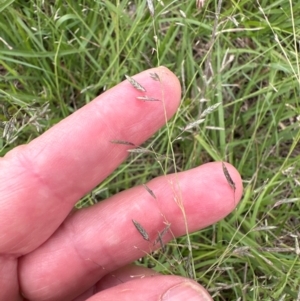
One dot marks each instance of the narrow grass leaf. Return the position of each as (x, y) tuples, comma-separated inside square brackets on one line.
[(5, 4)]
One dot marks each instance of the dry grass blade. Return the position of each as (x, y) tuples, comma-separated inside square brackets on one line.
[(150, 191), (141, 230), (147, 98), (135, 84), (150, 7), (122, 142)]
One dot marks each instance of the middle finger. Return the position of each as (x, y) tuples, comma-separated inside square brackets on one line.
[(97, 240)]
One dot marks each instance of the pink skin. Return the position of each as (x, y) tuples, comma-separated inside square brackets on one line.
[(49, 252)]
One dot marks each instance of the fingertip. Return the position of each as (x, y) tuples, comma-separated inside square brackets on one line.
[(173, 85), (206, 194), (163, 84), (171, 80), (186, 290), (155, 288)]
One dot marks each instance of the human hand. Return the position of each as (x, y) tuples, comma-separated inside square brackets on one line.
[(49, 252)]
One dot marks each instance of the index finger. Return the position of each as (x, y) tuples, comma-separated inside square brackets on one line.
[(40, 182)]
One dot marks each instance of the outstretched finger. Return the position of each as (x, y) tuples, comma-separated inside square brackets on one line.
[(100, 239)]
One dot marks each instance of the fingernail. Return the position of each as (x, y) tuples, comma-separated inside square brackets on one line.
[(186, 291)]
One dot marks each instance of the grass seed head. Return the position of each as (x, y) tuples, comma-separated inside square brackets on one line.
[(135, 84)]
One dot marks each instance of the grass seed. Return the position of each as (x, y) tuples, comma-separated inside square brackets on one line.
[(135, 84)]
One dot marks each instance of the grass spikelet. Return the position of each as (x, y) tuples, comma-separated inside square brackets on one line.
[(139, 150), (210, 109), (122, 142), (228, 178), (155, 76), (141, 230), (162, 245), (151, 7), (9, 129), (150, 191), (135, 84), (160, 237), (193, 124), (147, 98)]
